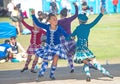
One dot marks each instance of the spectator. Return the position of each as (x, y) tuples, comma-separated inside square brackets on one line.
[(3, 12), (53, 7), (103, 5), (5, 49), (15, 50), (20, 14), (45, 16), (40, 16), (15, 19), (10, 7), (115, 3), (85, 7)]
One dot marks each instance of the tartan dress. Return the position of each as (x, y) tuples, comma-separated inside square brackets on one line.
[(47, 52), (32, 48), (82, 52), (69, 46), (82, 32)]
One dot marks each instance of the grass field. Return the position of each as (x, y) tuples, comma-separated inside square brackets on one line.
[(104, 38)]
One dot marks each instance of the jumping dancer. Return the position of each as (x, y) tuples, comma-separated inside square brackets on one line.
[(65, 22), (83, 54), (53, 50)]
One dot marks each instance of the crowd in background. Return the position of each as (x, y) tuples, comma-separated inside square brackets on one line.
[(57, 5)]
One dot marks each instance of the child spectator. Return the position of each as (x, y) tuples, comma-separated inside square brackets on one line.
[(15, 19), (103, 5), (85, 6), (16, 55), (10, 7)]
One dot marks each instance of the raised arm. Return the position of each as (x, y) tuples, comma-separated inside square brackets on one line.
[(97, 19), (26, 25), (76, 13), (41, 25)]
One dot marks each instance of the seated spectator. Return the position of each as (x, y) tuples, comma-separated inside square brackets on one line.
[(5, 49), (16, 55)]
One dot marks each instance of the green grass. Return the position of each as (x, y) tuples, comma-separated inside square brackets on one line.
[(104, 38)]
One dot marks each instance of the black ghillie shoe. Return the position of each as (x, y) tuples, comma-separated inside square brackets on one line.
[(33, 71), (109, 75), (72, 71), (52, 77), (24, 69), (39, 76), (88, 78)]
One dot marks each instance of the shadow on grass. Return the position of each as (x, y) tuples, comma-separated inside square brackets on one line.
[(62, 73)]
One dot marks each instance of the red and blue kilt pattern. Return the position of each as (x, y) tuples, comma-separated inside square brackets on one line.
[(32, 48), (47, 52), (69, 46)]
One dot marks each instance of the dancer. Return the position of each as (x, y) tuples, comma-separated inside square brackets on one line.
[(35, 43), (83, 54), (69, 46), (65, 22), (53, 49)]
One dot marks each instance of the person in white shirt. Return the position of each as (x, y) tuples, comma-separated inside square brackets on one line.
[(10, 7)]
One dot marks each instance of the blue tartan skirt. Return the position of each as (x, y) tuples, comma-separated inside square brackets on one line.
[(47, 52), (69, 46), (82, 52)]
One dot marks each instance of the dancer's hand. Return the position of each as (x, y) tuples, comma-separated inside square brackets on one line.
[(102, 10), (33, 12)]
